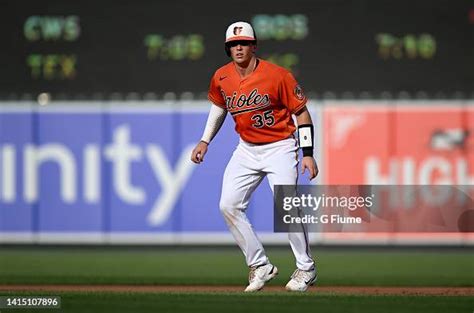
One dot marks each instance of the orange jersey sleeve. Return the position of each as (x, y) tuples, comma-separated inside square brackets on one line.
[(291, 94), (215, 94)]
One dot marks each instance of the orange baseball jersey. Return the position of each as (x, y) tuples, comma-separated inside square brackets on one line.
[(261, 104)]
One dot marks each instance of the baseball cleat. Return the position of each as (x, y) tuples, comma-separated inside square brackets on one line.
[(301, 280), (258, 276)]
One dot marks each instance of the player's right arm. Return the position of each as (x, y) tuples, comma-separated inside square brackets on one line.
[(215, 120)]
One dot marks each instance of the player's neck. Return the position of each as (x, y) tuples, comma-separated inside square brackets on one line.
[(246, 69)]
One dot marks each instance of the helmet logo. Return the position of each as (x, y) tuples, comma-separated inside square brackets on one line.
[(237, 30)]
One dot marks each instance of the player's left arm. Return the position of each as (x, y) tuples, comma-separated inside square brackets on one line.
[(306, 141)]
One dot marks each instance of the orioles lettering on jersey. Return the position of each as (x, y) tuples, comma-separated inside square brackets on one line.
[(261, 103), (243, 103)]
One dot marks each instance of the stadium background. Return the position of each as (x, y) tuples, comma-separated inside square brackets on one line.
[(101, 103)]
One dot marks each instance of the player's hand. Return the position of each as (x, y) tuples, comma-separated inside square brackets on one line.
[(310, 164), (197, 156)]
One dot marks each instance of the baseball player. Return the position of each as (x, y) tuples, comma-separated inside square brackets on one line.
[(261, 97)]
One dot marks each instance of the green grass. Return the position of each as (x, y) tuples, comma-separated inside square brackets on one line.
[(226, 267), (263, 302)]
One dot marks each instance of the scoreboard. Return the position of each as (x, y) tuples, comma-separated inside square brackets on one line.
[(338, 46)]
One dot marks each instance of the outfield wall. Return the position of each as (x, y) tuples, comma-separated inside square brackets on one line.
[(119, 172)]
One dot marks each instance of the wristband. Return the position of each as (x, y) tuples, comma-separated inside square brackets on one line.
[(305, 135)]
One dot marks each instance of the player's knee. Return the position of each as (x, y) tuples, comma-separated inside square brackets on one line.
[(230, 212), (228, 206), (225, 206)]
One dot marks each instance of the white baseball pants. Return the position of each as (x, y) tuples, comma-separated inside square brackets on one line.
[(249, 164)]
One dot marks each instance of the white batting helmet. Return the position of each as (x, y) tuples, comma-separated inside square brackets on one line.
[(239, 31)]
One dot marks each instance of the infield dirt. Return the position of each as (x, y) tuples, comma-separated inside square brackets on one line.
[(355, 290)]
